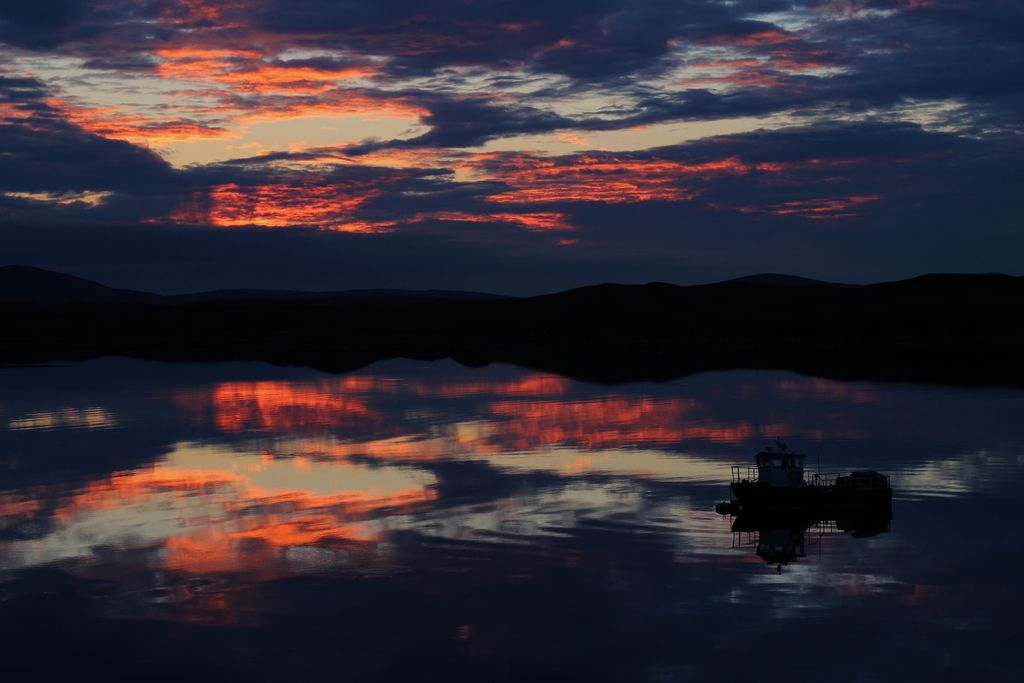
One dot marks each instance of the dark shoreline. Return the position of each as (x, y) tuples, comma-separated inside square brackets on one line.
[(965, 330), (949, 362)]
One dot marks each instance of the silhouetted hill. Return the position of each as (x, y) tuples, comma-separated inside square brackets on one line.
[(783, 279), (948, 328), (36, 285), (291, 295)]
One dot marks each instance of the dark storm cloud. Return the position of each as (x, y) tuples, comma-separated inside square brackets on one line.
[(948, 57), (85, 26), (39, 25), (22, 97), (970, 53), (43, 152), (122, 62), (468, 122), (969, 63), (563, 37)]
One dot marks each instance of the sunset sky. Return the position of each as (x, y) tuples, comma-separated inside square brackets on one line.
[(509, 146)]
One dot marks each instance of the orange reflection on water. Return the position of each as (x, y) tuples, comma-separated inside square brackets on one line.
[(287, 520), (284, 407), (337, 401), (538, 384), (211, 509), (518, 414), (611, 422), (815, 388)]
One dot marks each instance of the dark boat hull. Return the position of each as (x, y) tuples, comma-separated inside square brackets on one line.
[(753, 496)]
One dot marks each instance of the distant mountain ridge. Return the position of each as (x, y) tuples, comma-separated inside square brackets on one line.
[(782, 279), (285, 295), (961, 328), (29, 284), (37, 285)]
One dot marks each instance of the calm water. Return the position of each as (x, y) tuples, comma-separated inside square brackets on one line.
[(426, 521)]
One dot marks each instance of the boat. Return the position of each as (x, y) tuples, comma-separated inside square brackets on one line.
[(777, 483)]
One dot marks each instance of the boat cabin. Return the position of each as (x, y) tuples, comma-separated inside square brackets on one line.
[(780, 468)]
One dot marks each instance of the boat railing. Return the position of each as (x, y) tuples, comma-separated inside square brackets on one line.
[(744, 473), (829, 478), (821, 478)]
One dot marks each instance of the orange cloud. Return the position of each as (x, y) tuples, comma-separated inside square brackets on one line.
[(816, 209), (246, 71), (537, 221), (309, 202), (601, 178)]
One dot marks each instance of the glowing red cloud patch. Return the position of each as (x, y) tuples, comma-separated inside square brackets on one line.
[(540, 221), (538, 384), (749, 78), (726, 64), (817, 209), (602, 178), (312, 202), (537, 221), (238, 87), (140, 129), (113, 123), (200, 12), (246, 71), (759, 39)]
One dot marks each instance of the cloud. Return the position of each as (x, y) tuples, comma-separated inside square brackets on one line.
[(851, 201), (38, 25), (49, 161), (658, 61), (902, 130)]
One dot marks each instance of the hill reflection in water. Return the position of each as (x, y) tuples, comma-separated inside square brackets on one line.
[(435, 522)]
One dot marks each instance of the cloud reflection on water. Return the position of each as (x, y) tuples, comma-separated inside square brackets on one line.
[(238, 494)]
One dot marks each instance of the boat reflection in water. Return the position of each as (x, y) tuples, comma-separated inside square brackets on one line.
[(781, 511), (780, 538)]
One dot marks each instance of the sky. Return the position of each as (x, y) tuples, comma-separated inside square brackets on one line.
[(517, 146)]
